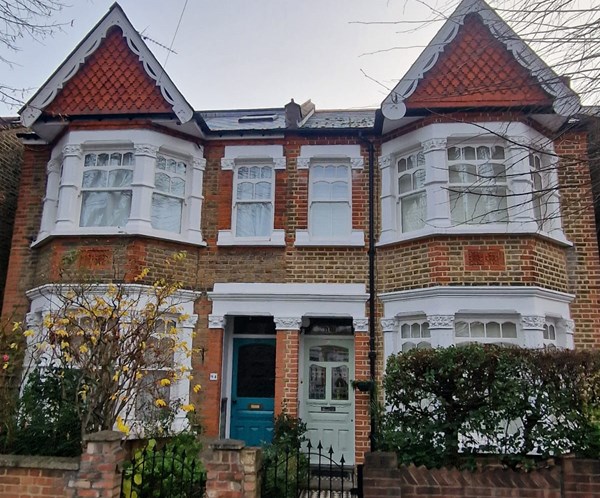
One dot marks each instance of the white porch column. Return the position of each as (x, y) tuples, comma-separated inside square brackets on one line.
[(68, 211), (533, 331), (143, 185), (441, 328), (436, 183)]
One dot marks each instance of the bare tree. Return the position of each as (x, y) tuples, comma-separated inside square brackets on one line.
[(20, 19), (564, 34)]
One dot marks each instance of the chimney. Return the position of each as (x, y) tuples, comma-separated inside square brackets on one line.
[(293, 114)]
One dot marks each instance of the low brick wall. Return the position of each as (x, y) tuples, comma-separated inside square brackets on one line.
[(27, 476), (568, 478)]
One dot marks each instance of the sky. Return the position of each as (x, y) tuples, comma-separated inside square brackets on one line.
[(239, 54)]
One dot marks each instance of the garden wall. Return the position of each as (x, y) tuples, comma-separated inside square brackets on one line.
[(568, 478)]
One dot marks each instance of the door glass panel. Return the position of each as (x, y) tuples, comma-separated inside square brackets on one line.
[(328, 353), (316, 383), (339, 383), (256, 371)]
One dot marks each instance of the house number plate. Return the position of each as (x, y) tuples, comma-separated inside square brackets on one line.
[(328, 408), (254, 406)]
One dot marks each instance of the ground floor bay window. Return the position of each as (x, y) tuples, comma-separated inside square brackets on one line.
[(128, 347), (444, 316)]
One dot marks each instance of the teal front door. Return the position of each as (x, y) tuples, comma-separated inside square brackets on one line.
[(253, 390)]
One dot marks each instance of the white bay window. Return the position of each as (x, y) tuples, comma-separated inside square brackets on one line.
[(124, 182), (464, 178)]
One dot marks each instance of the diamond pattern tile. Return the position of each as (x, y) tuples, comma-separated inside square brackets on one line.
[(112, 80), (476, 69)]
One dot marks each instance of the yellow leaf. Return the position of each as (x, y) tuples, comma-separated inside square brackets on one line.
[(165, 382), (197, 388), (122, 427), (161, 403), (188, 408)]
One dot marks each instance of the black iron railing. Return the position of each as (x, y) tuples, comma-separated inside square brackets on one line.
[(165, 473), (307, 472)]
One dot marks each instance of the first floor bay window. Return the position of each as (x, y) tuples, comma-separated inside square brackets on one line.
[(106, 189)]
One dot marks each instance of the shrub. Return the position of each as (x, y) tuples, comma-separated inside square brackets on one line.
[(176, 468), (448, 404)]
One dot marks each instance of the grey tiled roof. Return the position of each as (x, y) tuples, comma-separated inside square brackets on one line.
[(341, 119), (274, 119), (253, 119)]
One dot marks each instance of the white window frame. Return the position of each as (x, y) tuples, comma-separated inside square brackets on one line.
[(185, 177), (237, 202), (236, 156), (108, 168), (413, 333), (64, 192), (518, 140), (465, 192), (313, 201), (415, 156), (486, 320), (312, 155)]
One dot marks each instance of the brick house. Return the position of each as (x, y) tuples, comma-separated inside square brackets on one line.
[(483, 219)]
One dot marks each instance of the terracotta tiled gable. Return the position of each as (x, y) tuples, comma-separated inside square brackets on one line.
[(476, 69), (111, 81)]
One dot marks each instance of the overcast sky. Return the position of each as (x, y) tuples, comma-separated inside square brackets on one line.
[(250, 53)]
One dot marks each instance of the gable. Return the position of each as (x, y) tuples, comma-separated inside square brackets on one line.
[(476, 69), (477, 60), (111, 71), (111, 81)]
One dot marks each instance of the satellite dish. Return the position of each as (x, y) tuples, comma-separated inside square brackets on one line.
[(393, 110)]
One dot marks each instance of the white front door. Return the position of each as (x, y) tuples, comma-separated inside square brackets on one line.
[(328, 396)]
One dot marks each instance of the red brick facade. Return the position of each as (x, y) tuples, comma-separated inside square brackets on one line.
[(443, 259)]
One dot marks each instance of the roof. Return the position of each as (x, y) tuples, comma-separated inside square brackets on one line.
[(88, 46), (341, 119), (274, 119), (565, 101)]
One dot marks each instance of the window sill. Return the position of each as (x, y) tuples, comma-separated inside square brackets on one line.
[(196, 239), (227, 238), (392, 237), (303, 239)]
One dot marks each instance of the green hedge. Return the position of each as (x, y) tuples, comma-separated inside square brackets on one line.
[(446, 405)]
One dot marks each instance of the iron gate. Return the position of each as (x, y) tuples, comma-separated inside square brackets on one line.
[(309, 472)]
